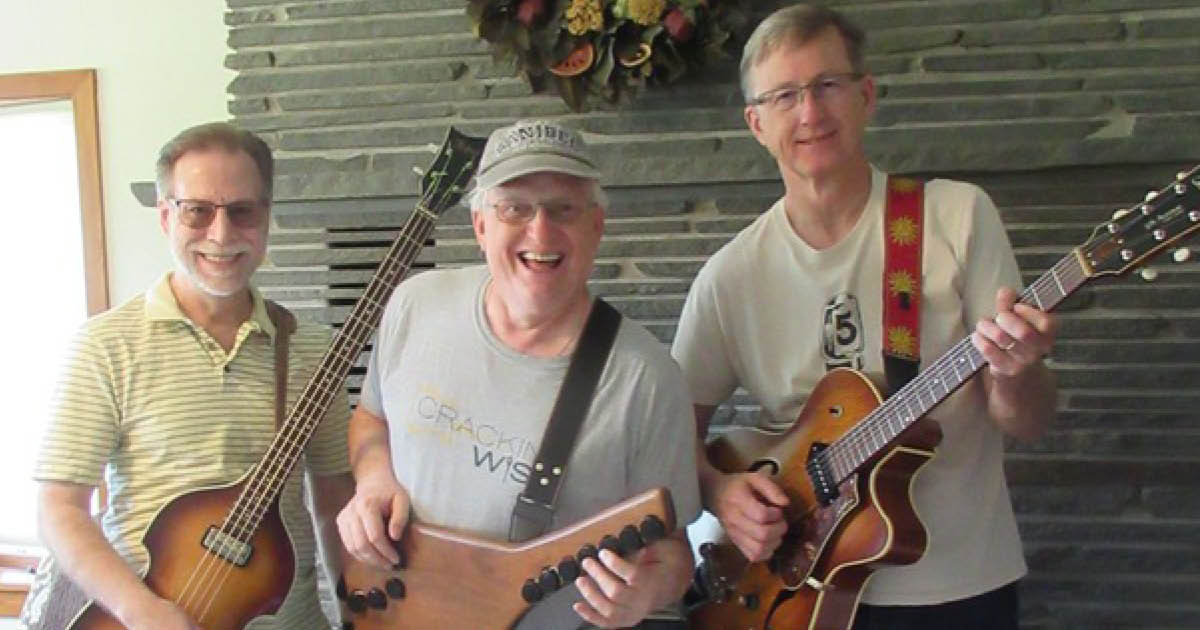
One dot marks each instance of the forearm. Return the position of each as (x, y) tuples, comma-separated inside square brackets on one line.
[(1022, 405), (84, 555), (370, 452)]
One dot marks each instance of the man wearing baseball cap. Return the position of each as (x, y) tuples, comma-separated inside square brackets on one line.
[(467, 366)]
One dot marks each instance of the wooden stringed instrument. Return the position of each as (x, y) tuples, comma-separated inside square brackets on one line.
[(847, 463), (455, 580), (222, 553)]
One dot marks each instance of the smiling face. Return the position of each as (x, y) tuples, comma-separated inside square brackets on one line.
[(818, 137), (540, 268), (214, 261)]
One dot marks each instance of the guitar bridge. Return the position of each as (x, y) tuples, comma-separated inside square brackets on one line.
[(225, 546), (819, 474)]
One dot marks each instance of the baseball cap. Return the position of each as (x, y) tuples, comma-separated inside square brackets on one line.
[(532, 146)]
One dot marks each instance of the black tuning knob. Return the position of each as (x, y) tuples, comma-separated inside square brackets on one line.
[(611, 543), (587, 551), (653, 529), (531, 592), (549, 580), (631, 541), (568, 569), (395, 588), (356, 602), (376, 599), (340, 589)]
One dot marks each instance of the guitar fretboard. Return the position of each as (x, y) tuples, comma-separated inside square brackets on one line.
[(316, 397), (444, 185), (935, 383)]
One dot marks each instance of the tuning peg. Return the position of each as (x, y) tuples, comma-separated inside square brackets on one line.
[(1150, 195), (1149, 274), (1182, 254), (1119, 213), (419, 171)]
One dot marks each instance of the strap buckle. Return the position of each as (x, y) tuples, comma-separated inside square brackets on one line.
[(530, 518)]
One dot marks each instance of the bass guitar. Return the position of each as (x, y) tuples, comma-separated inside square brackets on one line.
[(455, 580), (222, 553), (847, 463)]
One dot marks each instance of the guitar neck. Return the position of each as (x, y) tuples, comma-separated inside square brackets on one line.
[(318, 394), (942, 378)]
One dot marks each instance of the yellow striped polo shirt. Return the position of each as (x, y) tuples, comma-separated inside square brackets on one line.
[(151, 401)]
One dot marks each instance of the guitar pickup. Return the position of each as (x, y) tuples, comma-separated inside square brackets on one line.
[(225, 546)]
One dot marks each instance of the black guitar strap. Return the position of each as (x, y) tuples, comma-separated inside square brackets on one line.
[(534, 509)]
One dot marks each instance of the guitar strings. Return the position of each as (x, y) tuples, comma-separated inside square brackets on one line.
[(264, 484), (846, 454), (260, 491)]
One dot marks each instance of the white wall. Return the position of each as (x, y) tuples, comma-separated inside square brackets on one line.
[(159, 69)]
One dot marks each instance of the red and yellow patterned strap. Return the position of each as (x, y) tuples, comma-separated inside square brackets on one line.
[(902, 269)]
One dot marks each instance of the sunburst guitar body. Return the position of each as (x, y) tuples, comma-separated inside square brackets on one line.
[(814, 579)]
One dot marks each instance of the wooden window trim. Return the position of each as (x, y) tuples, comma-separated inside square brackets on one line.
[(78, 86)]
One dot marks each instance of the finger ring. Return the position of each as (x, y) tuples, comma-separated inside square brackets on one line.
[(1010, 346)]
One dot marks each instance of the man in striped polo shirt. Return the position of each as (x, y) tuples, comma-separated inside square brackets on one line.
[(174, 391)]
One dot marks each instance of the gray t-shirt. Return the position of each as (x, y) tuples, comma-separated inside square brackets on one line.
[(466, 413)]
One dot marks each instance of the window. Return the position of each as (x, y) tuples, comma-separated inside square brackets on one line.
[(50, 175)]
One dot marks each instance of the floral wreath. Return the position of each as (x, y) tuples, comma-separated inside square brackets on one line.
[(609, 48)]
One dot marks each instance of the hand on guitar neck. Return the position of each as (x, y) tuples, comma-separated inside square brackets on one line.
[(1020, 388)]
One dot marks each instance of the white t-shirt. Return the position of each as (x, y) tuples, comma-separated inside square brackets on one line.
[(771, 314)]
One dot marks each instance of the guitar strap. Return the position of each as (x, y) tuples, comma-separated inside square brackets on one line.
[(285, 325), (534, 508), (904, 229)]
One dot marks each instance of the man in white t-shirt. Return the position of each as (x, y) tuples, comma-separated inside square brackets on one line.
[(799, 292), (466, 368)]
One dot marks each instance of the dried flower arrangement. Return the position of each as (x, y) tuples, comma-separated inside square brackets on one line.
[(609, 48)]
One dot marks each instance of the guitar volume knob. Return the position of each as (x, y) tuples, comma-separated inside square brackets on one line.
[(611, 543), (395, 588), (376, 599), (340, 589), (549, 580), (630, 540), (587, 551), (653, 529), (356, 602), (568, 569), (531, 592)]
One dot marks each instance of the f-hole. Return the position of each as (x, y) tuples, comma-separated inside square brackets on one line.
[(771, 465)]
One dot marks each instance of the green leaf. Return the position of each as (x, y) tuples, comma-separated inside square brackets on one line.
[(573, 92), (603, 67)]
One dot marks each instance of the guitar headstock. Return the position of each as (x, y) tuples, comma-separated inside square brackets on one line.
[(445, 182), (1164, 219)]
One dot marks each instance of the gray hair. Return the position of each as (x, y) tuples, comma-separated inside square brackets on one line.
[(207, 136), (795, 25), (479, 195)]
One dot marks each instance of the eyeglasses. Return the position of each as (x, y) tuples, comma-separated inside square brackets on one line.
[(199, 214), (785, 97), (560, 212)]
